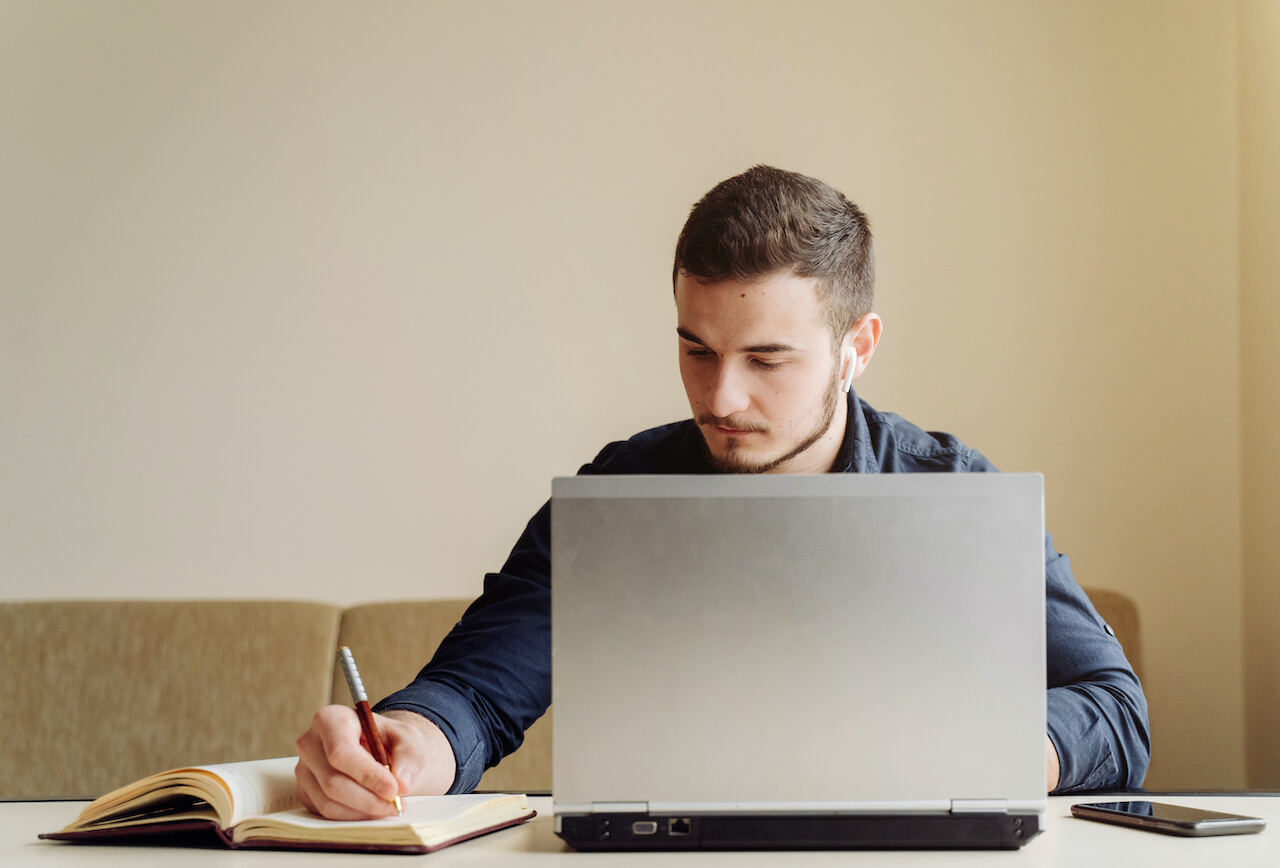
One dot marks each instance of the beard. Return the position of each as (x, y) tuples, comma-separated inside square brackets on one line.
[(734, 462)]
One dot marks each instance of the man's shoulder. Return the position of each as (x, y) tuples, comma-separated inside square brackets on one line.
[(676, 447), (901, 446)]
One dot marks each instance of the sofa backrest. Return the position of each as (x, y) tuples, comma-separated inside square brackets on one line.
[(100, 693)]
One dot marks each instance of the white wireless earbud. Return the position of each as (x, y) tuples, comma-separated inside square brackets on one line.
[(851, 367)]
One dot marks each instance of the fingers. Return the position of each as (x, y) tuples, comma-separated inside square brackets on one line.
[(337, 777)]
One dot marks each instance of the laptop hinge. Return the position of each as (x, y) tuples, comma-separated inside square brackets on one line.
[(619, 807), (979, 806)]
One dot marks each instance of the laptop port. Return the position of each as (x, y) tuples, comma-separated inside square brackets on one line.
[(644, 827), (678, 826)]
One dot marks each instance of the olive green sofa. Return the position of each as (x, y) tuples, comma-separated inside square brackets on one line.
[(99, 693), (103, 692)]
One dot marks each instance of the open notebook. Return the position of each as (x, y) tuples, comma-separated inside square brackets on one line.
[(254, 805)]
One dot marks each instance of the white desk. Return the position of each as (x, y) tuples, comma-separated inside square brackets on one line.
[(1065, 841)]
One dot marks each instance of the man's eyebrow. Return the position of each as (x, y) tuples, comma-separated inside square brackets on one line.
[(769, 349), (759, 349)]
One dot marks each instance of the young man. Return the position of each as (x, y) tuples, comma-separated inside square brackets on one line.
[(774, 279)]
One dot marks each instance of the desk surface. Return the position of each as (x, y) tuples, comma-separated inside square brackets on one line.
[(1066, 841)]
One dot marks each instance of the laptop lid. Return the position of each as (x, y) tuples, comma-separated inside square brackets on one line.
[(843, 643)]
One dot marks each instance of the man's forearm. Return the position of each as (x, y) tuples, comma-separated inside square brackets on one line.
[(1101, 732)]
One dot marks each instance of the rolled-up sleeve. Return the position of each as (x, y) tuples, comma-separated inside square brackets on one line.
[(1097, 712), (490, 679)]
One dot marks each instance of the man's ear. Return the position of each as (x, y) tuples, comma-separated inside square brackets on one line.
[(859, 346)]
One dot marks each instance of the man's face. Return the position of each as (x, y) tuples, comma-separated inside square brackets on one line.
[(761, 370)]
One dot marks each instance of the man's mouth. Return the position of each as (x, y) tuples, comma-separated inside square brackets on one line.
[(729, 427)]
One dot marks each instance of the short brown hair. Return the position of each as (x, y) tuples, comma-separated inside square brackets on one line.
[(768, 220)]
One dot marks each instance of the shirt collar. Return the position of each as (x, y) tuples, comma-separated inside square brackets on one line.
[(856, 454)]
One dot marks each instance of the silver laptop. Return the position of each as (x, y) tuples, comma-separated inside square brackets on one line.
[(757, 662)]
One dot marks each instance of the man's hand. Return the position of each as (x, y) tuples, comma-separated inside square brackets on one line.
[(1052, 766), (338, 778)]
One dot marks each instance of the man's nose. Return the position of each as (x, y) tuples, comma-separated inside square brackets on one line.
[(728, 393)]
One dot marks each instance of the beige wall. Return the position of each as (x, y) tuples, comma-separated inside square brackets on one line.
[(1260, 363), (311, 299)]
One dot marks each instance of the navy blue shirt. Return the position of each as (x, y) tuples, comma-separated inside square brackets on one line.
[(491, 677)]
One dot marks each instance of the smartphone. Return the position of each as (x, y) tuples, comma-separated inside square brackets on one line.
[(1169, 819)]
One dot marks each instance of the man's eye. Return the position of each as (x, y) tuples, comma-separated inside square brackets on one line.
[(697, 354), (766, 366)]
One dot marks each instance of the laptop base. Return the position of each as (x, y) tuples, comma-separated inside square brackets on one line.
[(624, 831)]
